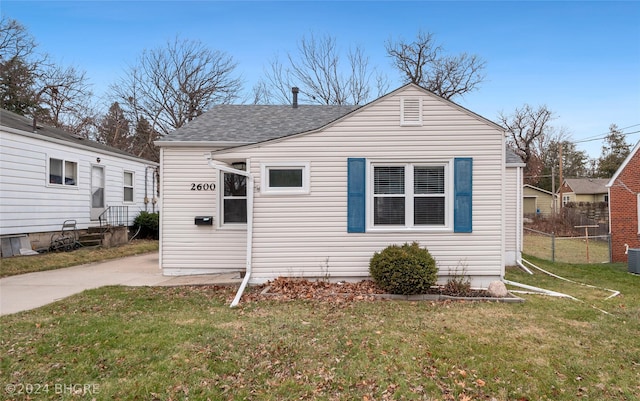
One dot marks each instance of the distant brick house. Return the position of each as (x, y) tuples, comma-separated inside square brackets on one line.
[(624, 206)]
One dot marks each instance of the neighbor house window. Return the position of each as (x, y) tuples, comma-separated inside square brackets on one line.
[(63, 172), (285, 178), (409, 196), (128, 186), (566, 199), (234, 198)]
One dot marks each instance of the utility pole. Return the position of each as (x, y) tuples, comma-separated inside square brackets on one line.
[(560, 172), (554, 198)]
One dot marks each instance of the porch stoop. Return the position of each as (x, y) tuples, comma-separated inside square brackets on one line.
[(94, 237)]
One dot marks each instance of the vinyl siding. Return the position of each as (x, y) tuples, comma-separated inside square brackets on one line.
[(187, 248), (512, 216), (29, 204), (306, 235)]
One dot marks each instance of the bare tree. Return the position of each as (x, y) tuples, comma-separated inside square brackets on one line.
[(15, 40), (17, 67), (172, 85), (66, 100), (317, 69), (35, 86), (422, 63), (527, 128)]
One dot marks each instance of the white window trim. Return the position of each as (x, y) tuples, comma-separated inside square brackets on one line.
[(410, 123), (133, 186), (64, 161), (220, 224), (409, 226), (265, 188)]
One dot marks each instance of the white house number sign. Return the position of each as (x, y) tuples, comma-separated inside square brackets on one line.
[(203, 186)]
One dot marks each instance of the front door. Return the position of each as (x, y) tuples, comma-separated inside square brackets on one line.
[(97, 191)]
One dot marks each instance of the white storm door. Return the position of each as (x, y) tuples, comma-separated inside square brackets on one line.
[(97, 191)]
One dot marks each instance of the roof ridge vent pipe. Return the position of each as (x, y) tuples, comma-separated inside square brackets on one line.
[(249, 177), (295, 91)]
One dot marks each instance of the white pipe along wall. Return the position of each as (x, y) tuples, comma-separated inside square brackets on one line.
[(249, 177)]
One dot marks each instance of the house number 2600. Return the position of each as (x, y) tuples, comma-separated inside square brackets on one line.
[(203, 187)]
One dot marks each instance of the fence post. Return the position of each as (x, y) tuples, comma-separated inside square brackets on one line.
[(553, 247)]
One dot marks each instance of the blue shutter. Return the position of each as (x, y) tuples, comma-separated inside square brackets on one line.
[(463, 189), (356, 216)]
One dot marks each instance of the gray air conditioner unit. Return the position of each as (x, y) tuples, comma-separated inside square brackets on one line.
[(634, 261)]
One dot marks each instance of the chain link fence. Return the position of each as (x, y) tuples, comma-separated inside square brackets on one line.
[(575, 249)]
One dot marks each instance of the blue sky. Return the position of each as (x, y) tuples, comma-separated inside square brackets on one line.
[(579, 58)]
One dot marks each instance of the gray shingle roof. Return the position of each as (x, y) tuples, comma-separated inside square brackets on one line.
[(16, 121), (587, 186), (256, 123), (512, 157)]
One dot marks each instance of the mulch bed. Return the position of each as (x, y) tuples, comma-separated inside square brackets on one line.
[(284, 289)]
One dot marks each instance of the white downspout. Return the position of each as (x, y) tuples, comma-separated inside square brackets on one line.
[(519, 214), (249, 177)]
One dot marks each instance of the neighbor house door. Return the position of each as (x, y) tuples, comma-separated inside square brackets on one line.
[(97, 191)]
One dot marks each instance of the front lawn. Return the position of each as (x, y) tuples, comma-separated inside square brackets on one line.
[(57, 260), (186, 343)]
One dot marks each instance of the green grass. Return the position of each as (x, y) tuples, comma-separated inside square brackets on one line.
[(573, 250), (56, 260), (185, 342)]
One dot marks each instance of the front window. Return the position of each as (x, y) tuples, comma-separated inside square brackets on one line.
[(409, 196), (128, 186), (63, 172), (285, 178), (234, 199)]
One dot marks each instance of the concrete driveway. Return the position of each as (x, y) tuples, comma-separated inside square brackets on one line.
[(32, 290)]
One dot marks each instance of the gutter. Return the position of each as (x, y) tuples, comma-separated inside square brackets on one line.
[(250, 181)]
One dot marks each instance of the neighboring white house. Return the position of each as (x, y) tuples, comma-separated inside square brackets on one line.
[(314, 191), (48, 176)]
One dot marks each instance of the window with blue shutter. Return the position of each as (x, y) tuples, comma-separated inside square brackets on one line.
[(463, 191), (356, 195)]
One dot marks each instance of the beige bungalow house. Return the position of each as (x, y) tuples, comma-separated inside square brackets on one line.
[(315, 190)]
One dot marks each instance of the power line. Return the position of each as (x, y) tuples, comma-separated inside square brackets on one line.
[(603, 137)]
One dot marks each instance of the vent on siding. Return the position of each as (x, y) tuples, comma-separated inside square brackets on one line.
[(411, 111)]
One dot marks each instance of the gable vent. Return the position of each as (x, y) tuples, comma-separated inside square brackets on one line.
[(411, 111)]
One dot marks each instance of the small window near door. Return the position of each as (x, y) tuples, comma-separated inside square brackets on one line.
[(128, 186), (63, 172), (285, 178), (234, 199)]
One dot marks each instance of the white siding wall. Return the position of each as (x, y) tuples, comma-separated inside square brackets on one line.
[(28, 204), (513, 216), (306, 235), (186, 248)]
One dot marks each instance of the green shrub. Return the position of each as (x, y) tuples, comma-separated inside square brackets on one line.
[(405, 270), (149, 225)]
